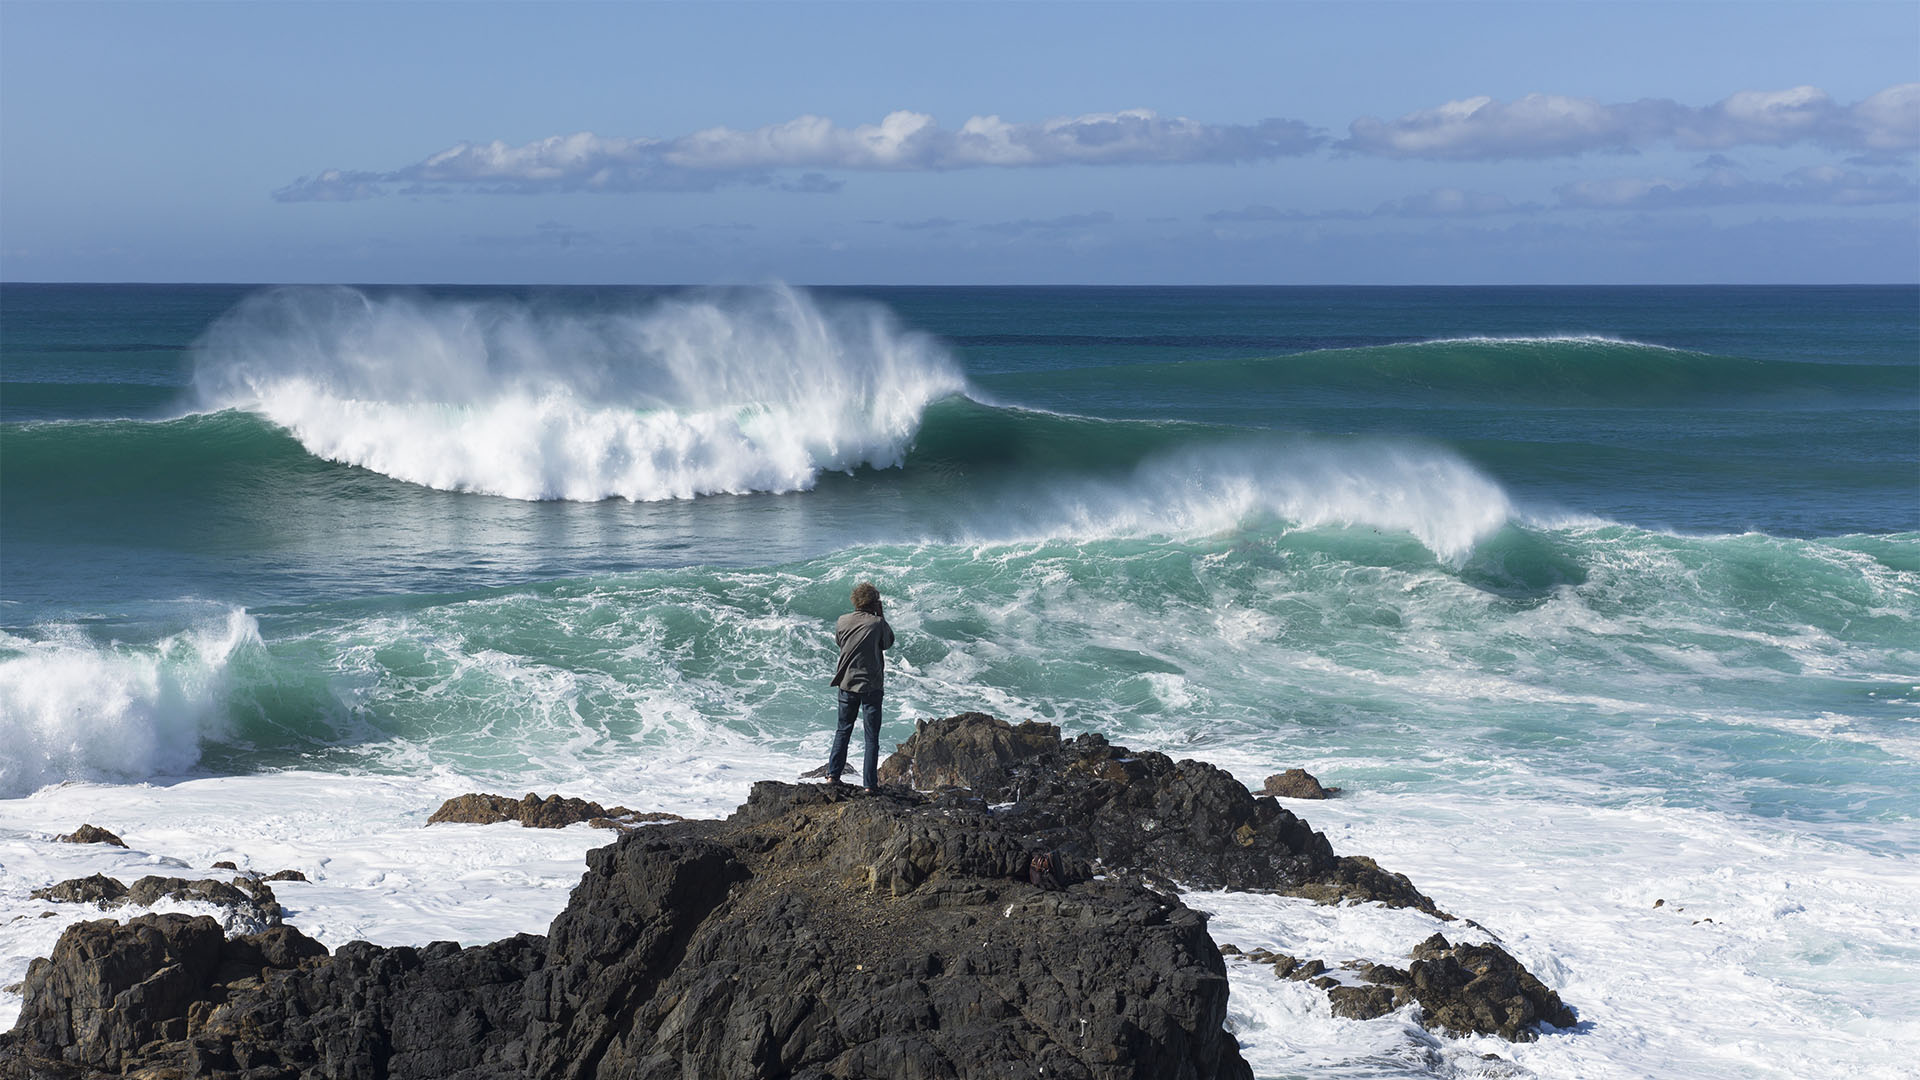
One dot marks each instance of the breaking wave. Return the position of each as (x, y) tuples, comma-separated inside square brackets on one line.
[(757, 390), (71, 709)]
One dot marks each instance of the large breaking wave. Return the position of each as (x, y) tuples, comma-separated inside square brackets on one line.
[(756, 390)]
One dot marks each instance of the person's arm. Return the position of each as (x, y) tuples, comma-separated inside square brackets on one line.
[(886, 635)]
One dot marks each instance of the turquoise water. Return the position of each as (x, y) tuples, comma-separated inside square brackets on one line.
[(1618, 546)]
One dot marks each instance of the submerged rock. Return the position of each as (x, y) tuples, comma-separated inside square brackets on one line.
[(250, 904), (1186, 821), (95, 889), (90, 834), (1461, 990), (552, 812)]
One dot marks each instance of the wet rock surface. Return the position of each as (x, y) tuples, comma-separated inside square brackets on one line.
[(90, 834), (1481, 989), (1296, 784), (1461, 989), (1186, 821), (534, 812), (250, 904)]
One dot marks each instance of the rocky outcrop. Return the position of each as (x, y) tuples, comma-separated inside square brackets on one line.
[(112, 993), (552, 812), (90, 834), (94, 889), (818, 932), (1180, 821), (1296, 784), (821, 931), (1461, 989), (1481, 989)]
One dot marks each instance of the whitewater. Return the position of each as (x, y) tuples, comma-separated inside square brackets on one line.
[(1587, 598)]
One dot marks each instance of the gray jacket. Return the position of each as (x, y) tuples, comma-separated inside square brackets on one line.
[(862, 638)]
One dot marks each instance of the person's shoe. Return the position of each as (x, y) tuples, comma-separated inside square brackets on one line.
[(871, 790), (834, 781)]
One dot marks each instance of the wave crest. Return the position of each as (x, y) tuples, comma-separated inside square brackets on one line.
[(1429, 494), (757, 390), (74, 710)]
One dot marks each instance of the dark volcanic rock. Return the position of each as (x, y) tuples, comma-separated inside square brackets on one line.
[(1362, 1002), (973, 750), (285, 875), (111, 989), (1186, 820), (1296, 784), (1481, 989), (90, 834), (823, 932), (97, 889), (817, 933), (552, 812)]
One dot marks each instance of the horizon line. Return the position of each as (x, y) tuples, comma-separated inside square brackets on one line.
[(1000, 285)]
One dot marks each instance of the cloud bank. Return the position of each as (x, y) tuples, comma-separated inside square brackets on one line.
[(1824, 185), (1550, 125), (799, 155), (901, 142)]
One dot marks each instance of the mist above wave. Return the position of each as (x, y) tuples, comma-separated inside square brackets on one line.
[(751, 390), (1428, 493), (74, 710)]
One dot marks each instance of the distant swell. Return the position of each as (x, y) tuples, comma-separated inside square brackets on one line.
[(1565, 370), (746, 391)]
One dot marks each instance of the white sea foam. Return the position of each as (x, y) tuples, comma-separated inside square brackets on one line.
[(1802, 971), (1541, 339), (1775, 953), (750, 391), (71, 709), (375, 871)]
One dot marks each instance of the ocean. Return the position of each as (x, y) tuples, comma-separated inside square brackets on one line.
[(1589, 598)]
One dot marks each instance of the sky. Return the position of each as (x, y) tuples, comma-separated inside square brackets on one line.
[(1740, 141)]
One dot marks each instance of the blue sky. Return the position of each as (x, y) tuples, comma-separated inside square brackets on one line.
[(960, 143)]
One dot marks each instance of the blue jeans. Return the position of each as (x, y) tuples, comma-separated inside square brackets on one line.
[(868, 706)]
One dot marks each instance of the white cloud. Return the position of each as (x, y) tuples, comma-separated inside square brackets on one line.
[(1551, 125), (1055, 224), (332, 185), (1451, 202), (1824, 185), (1258, 212), (902, 141), (1538, 125)]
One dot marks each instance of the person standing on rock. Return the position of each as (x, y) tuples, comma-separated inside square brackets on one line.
[(863, 635)]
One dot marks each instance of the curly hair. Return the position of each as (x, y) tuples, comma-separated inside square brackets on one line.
[(866, 598)]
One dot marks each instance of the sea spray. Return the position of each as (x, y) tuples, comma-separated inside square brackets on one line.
[(1425, 492), (755, 390), (74, 710)]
